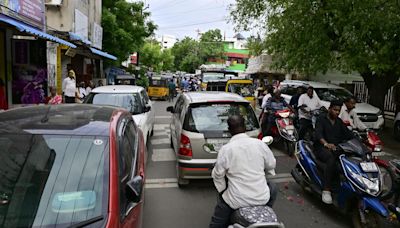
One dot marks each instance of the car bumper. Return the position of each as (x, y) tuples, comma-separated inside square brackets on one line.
[(195, 168)]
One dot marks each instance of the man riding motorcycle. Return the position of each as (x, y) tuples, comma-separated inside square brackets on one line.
[(330, 131), (275, 103), (307, 103), (348, 114), (242, 162)]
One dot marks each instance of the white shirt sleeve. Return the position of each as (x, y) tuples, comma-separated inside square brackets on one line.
[(357, 122), (264, 101), (219, 170), (269, 159)]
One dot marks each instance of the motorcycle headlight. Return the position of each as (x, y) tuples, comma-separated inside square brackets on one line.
[(369, 185), (378, 148)]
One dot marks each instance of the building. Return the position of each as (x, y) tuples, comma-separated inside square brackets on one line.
[(166, 41)]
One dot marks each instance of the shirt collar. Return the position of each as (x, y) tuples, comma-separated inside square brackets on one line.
[(239, 136)]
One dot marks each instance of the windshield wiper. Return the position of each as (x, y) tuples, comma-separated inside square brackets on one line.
[(87, 222)]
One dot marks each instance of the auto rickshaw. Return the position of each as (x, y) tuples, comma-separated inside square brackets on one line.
[(244, 88), (158, 87)]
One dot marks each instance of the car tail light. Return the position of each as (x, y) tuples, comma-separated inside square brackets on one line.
[(260, 136), (185, 148)]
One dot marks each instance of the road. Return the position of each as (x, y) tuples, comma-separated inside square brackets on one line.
[(166, 205)]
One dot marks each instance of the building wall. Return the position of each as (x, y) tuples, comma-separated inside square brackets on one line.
[(61, 18), (167, 41)]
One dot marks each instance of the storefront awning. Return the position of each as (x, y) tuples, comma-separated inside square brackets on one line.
[(76, 37), (31, 30), (102, 53)]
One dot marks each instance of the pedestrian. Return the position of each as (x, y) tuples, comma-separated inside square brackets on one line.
[(100, 83), (239, 174), (3, 100), (69, 87), (81, 92), (89, 87), (54, 98), (171, 90)]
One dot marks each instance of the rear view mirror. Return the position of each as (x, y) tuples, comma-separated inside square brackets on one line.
[(170, 109), (134, 189), (147, 108), (268, 140)]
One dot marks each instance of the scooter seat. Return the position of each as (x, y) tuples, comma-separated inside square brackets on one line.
[(309, 147), (246, 216)]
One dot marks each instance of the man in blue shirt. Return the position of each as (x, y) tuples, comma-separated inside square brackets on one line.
[(275, 103)]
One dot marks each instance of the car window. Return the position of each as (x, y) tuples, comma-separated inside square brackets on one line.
[(329, 94), (126, 156), (289, 90), (212, 76), (145, 96), (244, 90), (129, 101), (52, 180), (214, 116)]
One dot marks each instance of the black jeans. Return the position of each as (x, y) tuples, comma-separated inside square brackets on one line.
[(223, 212), (69, 99), (330, 159), (305, 126)]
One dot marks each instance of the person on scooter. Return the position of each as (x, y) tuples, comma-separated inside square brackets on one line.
[(308, 102), (348, 114), (275, 103), (330, 131), (239, 174)]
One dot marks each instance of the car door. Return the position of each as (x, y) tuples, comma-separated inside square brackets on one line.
[(176, 125), (150, 115), (130, 212)]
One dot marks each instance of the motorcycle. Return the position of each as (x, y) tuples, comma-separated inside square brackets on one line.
[(358, 185), (256, 216), (394, 205), (284, 129)]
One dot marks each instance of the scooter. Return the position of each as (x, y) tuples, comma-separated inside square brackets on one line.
[(394, 206), (359, 182), (256, 216)]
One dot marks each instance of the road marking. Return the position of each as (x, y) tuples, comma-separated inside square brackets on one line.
[(161, 133), (160, 126), (163, 155), (163, 117), (164, 185), (160, 141)]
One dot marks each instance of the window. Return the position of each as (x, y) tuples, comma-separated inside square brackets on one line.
[(145, 96), (178, 106), (129, 101)]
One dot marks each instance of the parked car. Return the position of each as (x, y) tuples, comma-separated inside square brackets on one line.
[(371, 116), (71, 166), (199, 129), (396, 128), (132, 98)]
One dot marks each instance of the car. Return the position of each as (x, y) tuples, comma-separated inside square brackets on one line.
[(132, 98), (371, 116), (199, 129), (396, 128), (72, 165)]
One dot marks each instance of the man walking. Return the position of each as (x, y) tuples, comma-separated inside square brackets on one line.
[(69, 87)]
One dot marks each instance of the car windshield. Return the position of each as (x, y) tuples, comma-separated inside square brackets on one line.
[(52, 180), (213, 116), (213, 76), (128, 101), (244, 90), (330, 94)]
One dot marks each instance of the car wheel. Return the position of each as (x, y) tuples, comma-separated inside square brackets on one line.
[(397, 130)]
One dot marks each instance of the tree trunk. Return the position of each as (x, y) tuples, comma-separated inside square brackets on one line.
[(378, 86)]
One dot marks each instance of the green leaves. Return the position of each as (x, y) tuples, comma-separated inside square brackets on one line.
[(153, 57)]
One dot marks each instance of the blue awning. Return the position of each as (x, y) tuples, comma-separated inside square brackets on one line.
[(102, 53), (22, 27), (74, 36)]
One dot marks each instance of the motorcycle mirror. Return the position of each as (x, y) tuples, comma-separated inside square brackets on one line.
[(268, 140)]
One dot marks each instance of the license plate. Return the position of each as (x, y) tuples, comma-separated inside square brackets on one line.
[(369, 167), (217, 143)]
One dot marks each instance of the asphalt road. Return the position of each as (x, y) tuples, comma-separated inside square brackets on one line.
[(166, 205)]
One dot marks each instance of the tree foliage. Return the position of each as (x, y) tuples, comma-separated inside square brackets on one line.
[(151, 56), (318, 35), (255, 45), (125, 27)]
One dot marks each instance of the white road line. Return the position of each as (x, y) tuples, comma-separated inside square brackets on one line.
[(160, 141), (165, 185), (163, 155), (163, 117), (160, 126), (161, 133)]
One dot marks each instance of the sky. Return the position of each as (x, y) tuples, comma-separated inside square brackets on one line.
[(182, 18)]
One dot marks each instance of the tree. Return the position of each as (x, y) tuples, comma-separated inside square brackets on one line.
[(167, 60), (315, 36), (125, 27), (211, 45), (153, 57), (255, 45), (186, 53)]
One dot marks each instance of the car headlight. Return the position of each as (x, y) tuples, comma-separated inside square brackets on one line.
[(380, 114), (370, 186)]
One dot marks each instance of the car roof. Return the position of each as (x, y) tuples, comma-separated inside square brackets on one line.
[(213, 96), (310, 83), (66, 119), (118, 89)]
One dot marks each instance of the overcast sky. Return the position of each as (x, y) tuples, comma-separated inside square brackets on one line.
[(182, 18)]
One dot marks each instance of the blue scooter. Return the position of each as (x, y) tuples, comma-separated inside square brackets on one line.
[(358, 185)]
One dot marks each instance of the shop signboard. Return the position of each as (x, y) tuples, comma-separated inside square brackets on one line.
[(81, 25), (135, 58), (29, 9), (97, 36)]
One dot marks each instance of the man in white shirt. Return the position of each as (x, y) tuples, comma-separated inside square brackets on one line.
[(243, 162), (267, 95), (349, 116), (69, 87), (308, 102)]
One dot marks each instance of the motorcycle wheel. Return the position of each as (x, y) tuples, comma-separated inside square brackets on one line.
[(388, 182), (372, 219)]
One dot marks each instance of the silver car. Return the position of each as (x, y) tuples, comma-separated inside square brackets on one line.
[(199, 129)]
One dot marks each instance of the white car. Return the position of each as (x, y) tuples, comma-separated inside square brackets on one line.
[(132, 98), (371, 116), (396, 128)]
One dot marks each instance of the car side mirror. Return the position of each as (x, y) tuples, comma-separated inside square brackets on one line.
[(268, 140), (170, 109), (134, 189), (147, 108)]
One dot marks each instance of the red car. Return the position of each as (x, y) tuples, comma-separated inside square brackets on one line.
[(70, 166)]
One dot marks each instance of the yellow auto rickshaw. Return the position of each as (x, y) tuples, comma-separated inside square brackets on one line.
[(243, 87), (158, 87)]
